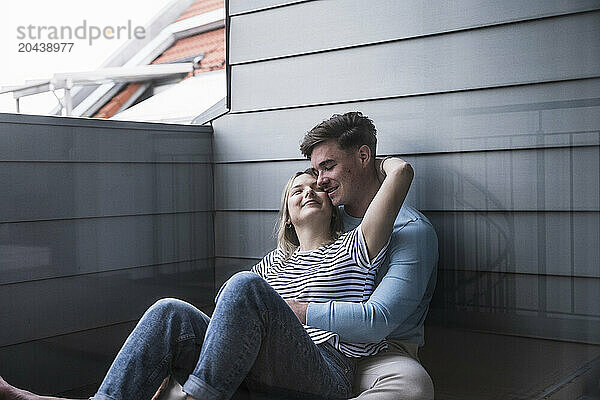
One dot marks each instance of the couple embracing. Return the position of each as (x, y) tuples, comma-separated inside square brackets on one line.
[(336, 311)]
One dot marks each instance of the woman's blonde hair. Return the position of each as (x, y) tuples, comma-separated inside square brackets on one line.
[(287, 239)]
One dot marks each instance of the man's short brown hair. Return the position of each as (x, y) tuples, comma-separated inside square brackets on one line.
[(350, 130)]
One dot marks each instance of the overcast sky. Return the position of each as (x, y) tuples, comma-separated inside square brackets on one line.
[(17, 67)]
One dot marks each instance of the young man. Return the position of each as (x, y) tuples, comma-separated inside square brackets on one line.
[(342, 150)]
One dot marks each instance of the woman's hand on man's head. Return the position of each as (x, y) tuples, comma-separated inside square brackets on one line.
[(389, 164)]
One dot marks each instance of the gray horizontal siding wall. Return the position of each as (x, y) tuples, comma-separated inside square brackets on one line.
[(497, 106), (98, 220)]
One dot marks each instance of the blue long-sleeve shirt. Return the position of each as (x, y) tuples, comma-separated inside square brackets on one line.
[(405, 283)]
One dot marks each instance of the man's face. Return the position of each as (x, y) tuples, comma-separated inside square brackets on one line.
[(338, 171)]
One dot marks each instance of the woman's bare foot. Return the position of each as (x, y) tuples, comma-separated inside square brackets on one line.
[(9, 392)]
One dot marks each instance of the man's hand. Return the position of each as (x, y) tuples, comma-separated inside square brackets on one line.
[(299, 308)]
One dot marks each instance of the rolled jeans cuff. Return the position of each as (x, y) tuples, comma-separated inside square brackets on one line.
[(99, 396), (199, 389)]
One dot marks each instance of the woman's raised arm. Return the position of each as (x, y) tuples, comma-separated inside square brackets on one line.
[(379, 218)]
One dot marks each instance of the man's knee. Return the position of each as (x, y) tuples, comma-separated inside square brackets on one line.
[(418, 384), (405, 379)]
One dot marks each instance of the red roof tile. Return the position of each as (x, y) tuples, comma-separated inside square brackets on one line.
[(212, 44), (201, 7), (116, 102)]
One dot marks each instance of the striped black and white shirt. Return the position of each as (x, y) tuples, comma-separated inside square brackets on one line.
[(337, 271)]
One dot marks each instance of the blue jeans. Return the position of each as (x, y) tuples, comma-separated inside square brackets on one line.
[(253, 339)]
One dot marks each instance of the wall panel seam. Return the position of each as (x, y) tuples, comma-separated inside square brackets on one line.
[(130, 268), (227, 58), (69, 333), (438, 211), (518, 273), (260, 9), (448, 270), (567, 380), (92, 217), (416, 37), (511, 273), (510, 331), (419, 94), (82, 330), (107, 125), (105, 162), (420, 154), (454, 305)]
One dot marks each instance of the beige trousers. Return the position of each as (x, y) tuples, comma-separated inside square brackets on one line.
[(393, 374)]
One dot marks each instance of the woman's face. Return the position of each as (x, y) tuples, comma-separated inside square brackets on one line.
[(306, 200)]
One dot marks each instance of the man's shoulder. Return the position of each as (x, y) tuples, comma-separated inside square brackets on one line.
[(410, 216), (414, 237)]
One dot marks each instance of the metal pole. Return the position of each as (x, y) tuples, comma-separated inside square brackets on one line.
[(67, 97), (18, 105)]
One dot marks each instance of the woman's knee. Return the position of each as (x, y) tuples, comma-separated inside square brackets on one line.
[(173, 315), (246, 281), (245, 278), (245, 287), (165, 309)]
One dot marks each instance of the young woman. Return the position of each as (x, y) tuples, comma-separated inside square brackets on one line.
[(254, 338)]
